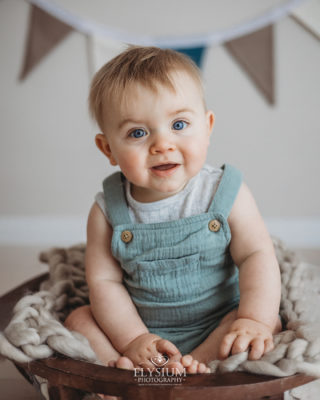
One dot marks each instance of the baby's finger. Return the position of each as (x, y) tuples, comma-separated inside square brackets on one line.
[(226, 345), (268, 345), (166, 347), (257, 349), (241, 344)]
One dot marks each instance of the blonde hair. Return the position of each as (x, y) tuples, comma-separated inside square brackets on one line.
[(145, 65)]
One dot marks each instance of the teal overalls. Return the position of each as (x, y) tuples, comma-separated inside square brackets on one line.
[(179, 274)]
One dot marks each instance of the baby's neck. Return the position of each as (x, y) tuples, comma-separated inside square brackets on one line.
[(144, 195)]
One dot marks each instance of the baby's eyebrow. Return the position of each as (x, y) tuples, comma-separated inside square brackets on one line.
[(127, 121), (180, 111)]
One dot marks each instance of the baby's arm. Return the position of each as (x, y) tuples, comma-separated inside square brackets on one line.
[(110, 302), (259, 281)]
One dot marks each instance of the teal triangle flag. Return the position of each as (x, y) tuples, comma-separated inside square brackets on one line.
[(195, 53)]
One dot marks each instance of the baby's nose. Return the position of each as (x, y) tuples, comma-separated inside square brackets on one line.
[(162, 144)]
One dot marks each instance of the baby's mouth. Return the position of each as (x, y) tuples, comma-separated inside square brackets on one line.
[(164, 167), (165, 170)]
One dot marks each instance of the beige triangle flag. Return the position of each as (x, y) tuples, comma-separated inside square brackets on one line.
[(44, 33), (254, 52)]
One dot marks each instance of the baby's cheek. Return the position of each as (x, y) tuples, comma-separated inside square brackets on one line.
[(195, 162), (130, 165)]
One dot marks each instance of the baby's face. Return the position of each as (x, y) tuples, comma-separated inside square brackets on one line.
[(158, 138)]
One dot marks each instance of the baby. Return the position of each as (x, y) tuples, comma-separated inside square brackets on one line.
[(180, 267)]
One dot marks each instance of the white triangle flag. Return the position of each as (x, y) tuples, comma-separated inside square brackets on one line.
[(308, 15), (101, 50)]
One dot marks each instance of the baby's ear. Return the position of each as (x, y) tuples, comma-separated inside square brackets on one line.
[(104, 147), (210, 120)]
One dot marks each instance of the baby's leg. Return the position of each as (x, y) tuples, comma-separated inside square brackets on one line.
[(198, 359), (209, 349), (81, 320)]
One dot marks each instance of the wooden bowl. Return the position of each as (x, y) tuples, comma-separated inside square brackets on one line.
[(69, 379)]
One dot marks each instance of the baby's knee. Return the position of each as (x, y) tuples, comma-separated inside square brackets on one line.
[(77, 318)]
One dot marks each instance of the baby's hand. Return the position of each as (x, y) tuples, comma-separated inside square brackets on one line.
[(246, 333), (149, 351)]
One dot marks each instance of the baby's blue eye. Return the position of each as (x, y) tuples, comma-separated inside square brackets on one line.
[(138, 133), (178, 125)]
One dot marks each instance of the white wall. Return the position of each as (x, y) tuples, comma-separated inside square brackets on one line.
[(50, 168)]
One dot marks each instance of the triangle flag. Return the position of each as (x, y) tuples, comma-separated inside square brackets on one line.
[(44, 32), (254, 52), (308, 15), (101, 50), (195, 53)]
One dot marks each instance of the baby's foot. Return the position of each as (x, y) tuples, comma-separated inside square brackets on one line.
[(122, 363), (187, 363), (174, 365), (193, 366)]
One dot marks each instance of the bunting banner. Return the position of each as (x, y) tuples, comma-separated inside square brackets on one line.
[(250, 42), (44, 33), (308, 16), (89, 27), (254, 52)]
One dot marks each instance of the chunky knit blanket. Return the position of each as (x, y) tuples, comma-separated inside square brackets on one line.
[(36, 329)]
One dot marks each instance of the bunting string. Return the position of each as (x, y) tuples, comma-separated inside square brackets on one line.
[(89, 27)]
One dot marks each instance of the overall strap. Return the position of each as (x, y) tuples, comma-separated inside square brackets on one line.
[(227, 190), (114, 197)]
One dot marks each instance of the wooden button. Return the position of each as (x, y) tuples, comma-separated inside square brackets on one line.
[(126, 236), (214, 225)]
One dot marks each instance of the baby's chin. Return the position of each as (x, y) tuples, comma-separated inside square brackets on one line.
[(158, 189)]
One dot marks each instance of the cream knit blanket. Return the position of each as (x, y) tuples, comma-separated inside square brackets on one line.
[(36, 330)]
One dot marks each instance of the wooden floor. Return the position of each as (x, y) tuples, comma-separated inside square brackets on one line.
[(21, 263)]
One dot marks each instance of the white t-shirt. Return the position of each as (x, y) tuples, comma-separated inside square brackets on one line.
[(195, 198)]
